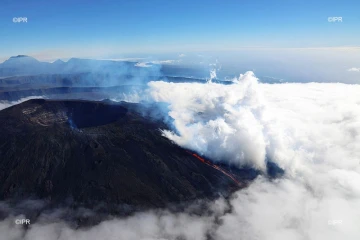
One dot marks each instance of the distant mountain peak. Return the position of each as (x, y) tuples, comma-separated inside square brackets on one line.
[(19, 56), (25, 60), (58, 61), (22, 58), (74, 59), (20, 64)]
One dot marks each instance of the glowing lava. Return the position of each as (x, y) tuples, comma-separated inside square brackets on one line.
[(215, 167)]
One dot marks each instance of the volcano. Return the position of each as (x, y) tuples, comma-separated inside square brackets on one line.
[(98, 152)]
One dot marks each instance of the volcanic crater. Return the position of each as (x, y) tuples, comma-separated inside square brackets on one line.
[(101, 153)]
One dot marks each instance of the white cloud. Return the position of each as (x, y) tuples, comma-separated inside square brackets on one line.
[(143, 64), (354, 69), (148, 64), (164, 62), (182, 55), (150, 225), (123, 59)]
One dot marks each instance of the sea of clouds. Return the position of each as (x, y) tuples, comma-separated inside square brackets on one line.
[(310, 130)]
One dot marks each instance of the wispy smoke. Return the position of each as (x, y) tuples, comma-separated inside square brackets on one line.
[(6, 104)]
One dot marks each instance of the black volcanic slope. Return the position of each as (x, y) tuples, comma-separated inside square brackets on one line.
[(94, 152)]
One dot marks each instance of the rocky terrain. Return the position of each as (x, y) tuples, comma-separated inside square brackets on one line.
[(100, 152)]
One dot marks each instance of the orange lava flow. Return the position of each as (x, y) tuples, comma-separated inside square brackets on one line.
[(215, 167)]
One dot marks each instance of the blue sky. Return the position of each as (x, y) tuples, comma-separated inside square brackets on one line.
[(80, 27)]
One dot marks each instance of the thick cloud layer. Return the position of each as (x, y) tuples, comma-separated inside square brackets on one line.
[(310, 130)]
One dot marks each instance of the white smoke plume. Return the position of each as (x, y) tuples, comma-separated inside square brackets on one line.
[(222, 122), (310, 130)]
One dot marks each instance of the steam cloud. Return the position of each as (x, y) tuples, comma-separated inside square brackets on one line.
[(310, 130), (222, 122)]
